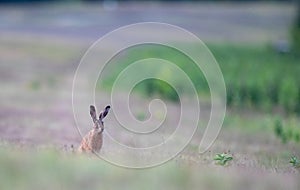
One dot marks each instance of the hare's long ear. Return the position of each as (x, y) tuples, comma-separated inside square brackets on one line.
[(104, 112), (93, 113)]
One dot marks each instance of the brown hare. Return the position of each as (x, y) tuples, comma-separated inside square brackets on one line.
[(92, 142)]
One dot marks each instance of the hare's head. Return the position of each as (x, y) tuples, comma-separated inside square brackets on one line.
[(98, 122)]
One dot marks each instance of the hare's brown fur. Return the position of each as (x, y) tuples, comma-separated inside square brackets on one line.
[(92, 142)]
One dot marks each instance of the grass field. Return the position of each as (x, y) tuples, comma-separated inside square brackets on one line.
[(260, 130), (48, 169), (32, 147)]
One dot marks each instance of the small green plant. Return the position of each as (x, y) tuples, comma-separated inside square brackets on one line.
[(35, 85), (295, 162), (223, 159)]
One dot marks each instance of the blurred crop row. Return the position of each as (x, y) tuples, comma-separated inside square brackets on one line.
[(256, 76), (260, 77)]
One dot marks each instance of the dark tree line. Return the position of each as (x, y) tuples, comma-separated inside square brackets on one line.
[(296, 29)]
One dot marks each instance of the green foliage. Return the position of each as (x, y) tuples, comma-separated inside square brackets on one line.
[(141, 116), (295, 162), (161, 88), (255, 76), (223, 159), (278, 129), (259, 77), (288, 131), (155, 86), (288, 94)]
